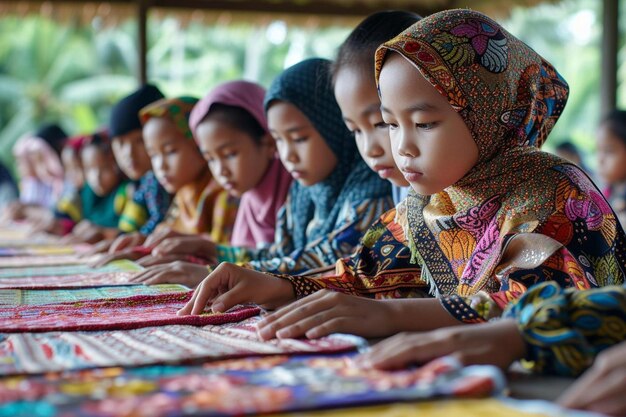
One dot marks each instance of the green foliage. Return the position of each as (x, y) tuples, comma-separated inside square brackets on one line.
[(73, 74)]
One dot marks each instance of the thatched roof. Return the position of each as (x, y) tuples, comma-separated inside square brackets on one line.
[(308, 12)]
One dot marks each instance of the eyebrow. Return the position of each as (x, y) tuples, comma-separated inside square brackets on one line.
[(291, 129), (419, 107), (372, 108)]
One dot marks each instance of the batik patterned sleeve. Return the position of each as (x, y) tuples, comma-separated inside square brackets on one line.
[(380, 268), (322, 252), (565, 329), (147, 208)]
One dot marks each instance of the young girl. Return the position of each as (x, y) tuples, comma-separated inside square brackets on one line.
[(200, 205), (335, 196), (40, 173), (68, 211), (106, 194), (357, 96), (491, 214), (612, 160), (231, 131)]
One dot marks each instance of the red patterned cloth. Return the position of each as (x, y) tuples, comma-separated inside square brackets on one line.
[(112, 314)]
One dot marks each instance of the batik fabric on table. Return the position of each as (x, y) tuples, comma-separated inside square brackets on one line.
[(520, 216), (240, 386), (63, 351)]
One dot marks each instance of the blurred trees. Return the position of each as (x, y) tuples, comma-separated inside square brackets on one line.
[(65, 72)]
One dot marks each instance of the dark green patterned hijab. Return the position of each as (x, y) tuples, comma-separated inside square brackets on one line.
[(307, 86)]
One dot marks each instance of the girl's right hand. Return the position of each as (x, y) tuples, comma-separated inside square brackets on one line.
[(126, 241), (229, 285), (197, 246), (177, 272)]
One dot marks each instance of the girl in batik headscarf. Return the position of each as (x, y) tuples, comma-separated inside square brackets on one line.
[(468, 106), (200, 205)]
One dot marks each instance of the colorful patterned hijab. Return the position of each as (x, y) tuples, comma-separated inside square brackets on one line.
[(510, 98), (307, 86), (195, 205), (258, 208)]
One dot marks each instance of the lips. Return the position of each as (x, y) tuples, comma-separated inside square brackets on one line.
[(410, 174), (297, 174), (384, 171)]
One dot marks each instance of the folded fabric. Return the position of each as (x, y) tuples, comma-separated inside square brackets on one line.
[(89, 279), (21, 297), (112, 314), (32, 259), (57, 351), (58, 270), (240, 386)]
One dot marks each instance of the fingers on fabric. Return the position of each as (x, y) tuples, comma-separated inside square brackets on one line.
[(212, 286), (313, 316)]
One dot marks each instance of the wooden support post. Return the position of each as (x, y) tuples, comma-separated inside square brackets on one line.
[(142, 41), (610, 35)]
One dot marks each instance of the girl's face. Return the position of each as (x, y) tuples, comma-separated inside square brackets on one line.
[(101, 172), (302, 150), (358, 99), (235, 159), (611, 154), (175, 158), (130, 153), (430, 142), (73, 167)]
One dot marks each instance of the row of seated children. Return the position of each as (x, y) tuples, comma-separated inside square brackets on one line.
[(455, 107)]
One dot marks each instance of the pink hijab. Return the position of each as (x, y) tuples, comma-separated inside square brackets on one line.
[(256, 217)]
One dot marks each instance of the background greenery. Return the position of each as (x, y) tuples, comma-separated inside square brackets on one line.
[(73, 73)]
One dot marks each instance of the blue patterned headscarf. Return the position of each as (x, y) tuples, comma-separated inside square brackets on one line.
[(307, 86)]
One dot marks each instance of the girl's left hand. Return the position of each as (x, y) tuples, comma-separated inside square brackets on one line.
[(601, 388), (326, 312), (178, 272), (496, 343)]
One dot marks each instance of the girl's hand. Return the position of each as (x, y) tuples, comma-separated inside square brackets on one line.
[(497, 343), (126, 241), (187, 245), (178, 272), (129, 254), (601, 388), (327, 312), (160, 234), (100, 247), (229, 285), (149, 261)]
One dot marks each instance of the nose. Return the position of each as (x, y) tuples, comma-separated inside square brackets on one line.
[(406, 144), (372, 146), (287, 152), (222, 169)]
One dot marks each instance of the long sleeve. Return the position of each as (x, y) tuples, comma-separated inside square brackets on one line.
[(565, 329), (380, 268), (279, 259)]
